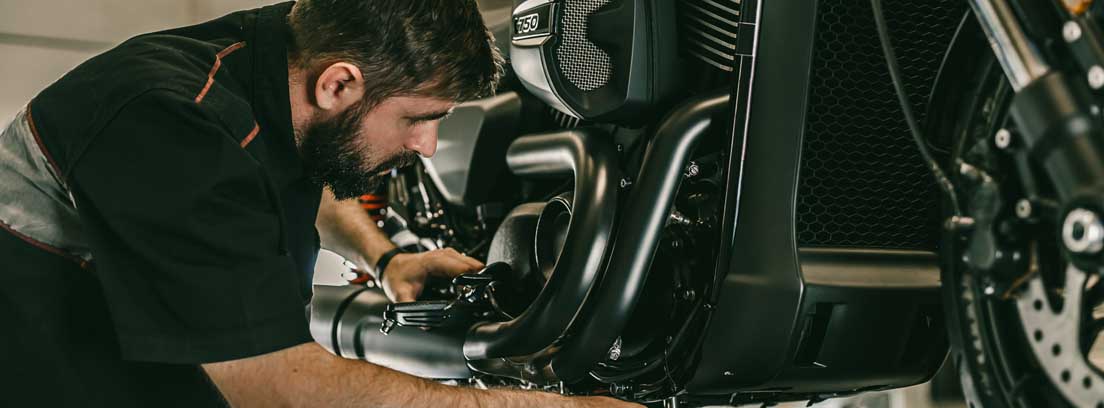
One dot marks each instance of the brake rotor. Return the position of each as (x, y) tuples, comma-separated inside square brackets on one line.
[(1055, 338)]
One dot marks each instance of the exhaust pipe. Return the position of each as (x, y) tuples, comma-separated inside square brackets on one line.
[(587, 155), (648, 206)]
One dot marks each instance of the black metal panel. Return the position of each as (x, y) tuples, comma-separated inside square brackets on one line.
[(708, 31), (862, 183), (790, 317)]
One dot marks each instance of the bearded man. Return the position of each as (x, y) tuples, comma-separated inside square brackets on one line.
[(160, 205)]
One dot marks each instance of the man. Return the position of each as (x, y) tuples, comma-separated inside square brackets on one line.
[(160, 201)]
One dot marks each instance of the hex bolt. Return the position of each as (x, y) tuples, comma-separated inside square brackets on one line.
[(615, 350), (1082, 232), (1071, 31), (692, 170), (1096, 77), (1023, 208), (1003, 139)]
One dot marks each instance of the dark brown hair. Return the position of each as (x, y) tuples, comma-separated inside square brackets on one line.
[(438, 48)]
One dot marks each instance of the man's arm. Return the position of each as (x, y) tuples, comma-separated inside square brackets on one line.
[(308, 375), (346, 229)]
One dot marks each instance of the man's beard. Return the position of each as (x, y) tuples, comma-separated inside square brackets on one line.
[(334, 156)]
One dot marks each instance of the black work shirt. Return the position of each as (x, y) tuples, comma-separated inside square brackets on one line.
[(178, 151)]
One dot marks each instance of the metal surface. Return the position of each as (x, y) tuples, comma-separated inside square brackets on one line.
[(1021, 61), (346, 320), (470, 143), (826, 336), (589, 157), (1054, 337), (650, 203)]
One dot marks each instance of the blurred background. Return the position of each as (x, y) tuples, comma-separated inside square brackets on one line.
[(40, 40)]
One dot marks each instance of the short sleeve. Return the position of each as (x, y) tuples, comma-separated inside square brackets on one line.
[(186, 237)]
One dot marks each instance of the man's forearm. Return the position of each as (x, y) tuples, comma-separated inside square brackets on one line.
[(308, 375), (348, 230)]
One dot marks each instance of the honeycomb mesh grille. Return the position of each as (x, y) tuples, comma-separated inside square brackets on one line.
[(862, 182), (585, 65), (708, 31)]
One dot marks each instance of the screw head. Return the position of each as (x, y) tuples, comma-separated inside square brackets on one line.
[(1023, 208), (1071, 31), (1002, 139), (1082, 232), (615, 350), (693, 170), (1096, 77)]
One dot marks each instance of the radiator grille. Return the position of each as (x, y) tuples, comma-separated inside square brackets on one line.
[(585, 65), (708, 31), (862, 183)]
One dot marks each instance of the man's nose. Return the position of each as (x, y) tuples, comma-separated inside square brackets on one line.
[(424, 139)]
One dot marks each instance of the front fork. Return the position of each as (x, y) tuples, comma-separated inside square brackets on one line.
[(1056, 113)]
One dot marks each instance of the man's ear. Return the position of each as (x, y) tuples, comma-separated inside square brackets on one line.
[(339, 86)]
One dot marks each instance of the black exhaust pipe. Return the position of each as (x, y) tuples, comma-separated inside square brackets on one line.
[(647, 208), (588, 155)]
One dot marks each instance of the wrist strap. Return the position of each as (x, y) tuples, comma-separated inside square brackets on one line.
[(385, 259)]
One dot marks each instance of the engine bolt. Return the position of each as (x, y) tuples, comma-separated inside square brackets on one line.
[(1096, 77), (1082, 232), (1023, 208), (692, 170), (1071, 31), (1003, 139), (615, 350)]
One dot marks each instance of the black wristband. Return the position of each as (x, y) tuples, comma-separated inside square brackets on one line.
[(385, 259)]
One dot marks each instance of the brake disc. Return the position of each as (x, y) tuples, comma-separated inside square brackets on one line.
[(1055, 338)]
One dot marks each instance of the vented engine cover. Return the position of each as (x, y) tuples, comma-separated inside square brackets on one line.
[(601, 60)]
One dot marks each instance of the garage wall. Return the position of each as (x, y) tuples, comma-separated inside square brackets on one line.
[(40, 40)]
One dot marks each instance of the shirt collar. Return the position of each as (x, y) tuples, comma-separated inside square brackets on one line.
[(271, 100)]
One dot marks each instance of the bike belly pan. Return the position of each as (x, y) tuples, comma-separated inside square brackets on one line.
[(801, 308)]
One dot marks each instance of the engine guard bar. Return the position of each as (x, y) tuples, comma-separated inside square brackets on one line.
[(648, 206), (587, 155)]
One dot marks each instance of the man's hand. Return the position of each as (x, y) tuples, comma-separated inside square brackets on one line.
[(405, 275)]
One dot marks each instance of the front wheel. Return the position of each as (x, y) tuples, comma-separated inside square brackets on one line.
[(1023, 320)]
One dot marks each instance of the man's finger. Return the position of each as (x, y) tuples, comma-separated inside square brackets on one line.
[(471, 262), (406, 293), (451, 266)]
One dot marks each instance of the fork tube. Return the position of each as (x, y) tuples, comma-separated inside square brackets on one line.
[(1020, 60)]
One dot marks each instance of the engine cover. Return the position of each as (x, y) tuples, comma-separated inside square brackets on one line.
[(600, 60)]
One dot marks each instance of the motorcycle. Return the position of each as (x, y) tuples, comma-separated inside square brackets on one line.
[(719, 202)]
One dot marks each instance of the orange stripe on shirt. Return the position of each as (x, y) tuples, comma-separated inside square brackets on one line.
[(214, 69), (252, 134)]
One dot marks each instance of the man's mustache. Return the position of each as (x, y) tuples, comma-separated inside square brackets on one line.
[(398, 161)]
